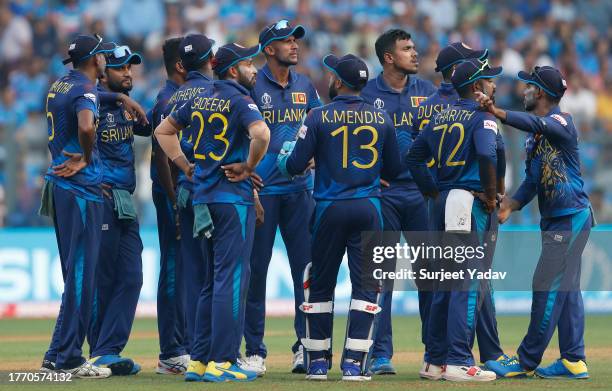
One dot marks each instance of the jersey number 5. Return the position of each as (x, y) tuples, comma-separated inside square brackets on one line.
[(51, 95), (369, 147)]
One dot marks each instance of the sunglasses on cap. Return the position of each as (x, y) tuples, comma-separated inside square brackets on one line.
[(484, 65)]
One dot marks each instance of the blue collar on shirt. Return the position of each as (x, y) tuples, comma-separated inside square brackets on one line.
[(446, 88), (78, 74), (382, 85), (197, 75), (172, 84), (348, 98), (268, 73), (554, 110), (232, 84)]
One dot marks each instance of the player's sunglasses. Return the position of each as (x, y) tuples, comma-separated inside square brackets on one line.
[(121, 51), (483, 66), (281, 24)]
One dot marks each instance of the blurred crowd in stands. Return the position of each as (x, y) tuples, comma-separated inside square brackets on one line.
[(575, 36)]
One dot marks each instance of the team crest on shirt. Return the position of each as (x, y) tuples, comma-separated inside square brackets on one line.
[(298, 98), (416, 100), (266, 101), (110, 118), (379, 103)]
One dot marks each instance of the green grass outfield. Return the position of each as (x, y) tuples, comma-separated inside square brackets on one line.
[(23, 342)]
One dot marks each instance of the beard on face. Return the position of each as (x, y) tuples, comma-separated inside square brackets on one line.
[(244, 79), (118, 85)]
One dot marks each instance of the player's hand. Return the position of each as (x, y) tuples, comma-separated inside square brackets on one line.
[(505, 210), (257, 181), (134, 109), (237, 172), (488, 204), (70, 167), (259, 212), (384, 183), (485, 101), (106, 190)]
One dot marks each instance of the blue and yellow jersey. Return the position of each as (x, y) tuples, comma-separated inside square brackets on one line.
[(552, 165), (116, 130), (402, 108), (195, 84), (219, 119), (353, 144), (457, 138), (66, 98), (158, 113), (434, 104), (283, 109)]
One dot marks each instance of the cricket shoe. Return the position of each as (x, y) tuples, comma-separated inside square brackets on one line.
[(351, 371), (461, 373), (431, 372), (564, 369), (382, 366), (317, 370), (195, 371), (47, 366), (217, 372), (298, 361), (89, 371), (509, 367), (173, 365), (119, 366), (254, 363)]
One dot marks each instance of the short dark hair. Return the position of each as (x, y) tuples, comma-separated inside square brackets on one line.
[(386, 42), (552, 99), (463, 92), (195, 65), (171, 54), (447, 73)]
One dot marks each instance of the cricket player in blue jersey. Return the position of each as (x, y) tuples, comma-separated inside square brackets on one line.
[(196, 54), (284, 97), (353, 144), (230, 139), (397, 91), (463, 141), (553, 174), (486, 327), (72, 197), (119, 270), (173, 357)]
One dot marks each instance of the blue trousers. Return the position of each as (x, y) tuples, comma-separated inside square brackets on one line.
[(456, 313), (403, 209), (557, 300), (337, 227), (193, 273), (77, 225), (118, 282), (170, 296), (291, 212), (222, 301)]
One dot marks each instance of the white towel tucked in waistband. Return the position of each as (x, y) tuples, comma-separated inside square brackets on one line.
[(458, 211)]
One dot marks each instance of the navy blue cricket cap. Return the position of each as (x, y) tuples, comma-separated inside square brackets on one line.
[(547, 78), (280, 30), (231, 54), (195, 49), (471, 70), (85, 46), (351, 69), (122, 55), (455, 53)]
